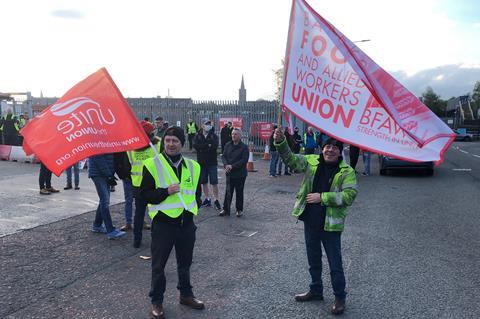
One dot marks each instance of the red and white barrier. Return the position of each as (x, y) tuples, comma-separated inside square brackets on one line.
[(16, 154)]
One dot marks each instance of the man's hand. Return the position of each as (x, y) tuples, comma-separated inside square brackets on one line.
[(278, 135), (174, 188), (313, 198), (228, 168)]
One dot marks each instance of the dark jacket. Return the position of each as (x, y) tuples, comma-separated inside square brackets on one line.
[(8, 125), (101, 166), (225, 134), (297, 141), (206, 148), (237, 156), (153, 195), (271, 146)]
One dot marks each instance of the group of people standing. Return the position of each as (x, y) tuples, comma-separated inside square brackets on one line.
[(10, 127)]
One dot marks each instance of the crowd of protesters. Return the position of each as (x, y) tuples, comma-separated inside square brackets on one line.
[(168, 186)]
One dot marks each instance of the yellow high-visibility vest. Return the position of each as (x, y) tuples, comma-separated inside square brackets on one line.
[(136, 159), (191, 129), (164, 176)]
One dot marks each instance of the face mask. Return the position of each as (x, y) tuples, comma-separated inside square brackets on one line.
[(208, 128)]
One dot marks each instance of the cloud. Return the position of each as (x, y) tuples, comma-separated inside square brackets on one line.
[(446, 81), (67, 14)]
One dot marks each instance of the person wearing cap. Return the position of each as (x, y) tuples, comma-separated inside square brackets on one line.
[(192, 130), (171, 187), (328, 188), (129, 167), (206, 144)]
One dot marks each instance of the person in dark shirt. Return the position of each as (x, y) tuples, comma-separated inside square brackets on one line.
[(169, 231), (235, 159)]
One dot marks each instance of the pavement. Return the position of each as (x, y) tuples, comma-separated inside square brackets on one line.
[(250, 267)]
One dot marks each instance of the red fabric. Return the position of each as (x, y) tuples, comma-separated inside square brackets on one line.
[(91, 118), (147, 127)]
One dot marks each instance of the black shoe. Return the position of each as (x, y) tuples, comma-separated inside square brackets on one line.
[(137, 243), (287, 174), (224, 213), (338, 307), (192, 302), (77, 188), (217, 205), (68, 187), (307, 296), (239, 213), (157, 312)]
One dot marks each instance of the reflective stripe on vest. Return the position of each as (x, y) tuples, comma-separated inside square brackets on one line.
[(164, 176), (136, 159)]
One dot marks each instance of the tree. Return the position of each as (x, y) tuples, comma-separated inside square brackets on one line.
[(279, 81), (433, 102)]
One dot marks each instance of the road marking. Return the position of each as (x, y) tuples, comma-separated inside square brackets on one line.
[(462, 169), (476, 155), (465, 152)]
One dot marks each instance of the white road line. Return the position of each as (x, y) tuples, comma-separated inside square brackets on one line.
[(462, 169), (465, 152), (476, 155)]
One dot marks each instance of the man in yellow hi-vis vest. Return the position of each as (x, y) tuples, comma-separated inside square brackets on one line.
[(192, 130), (170, 186), (129, 167)]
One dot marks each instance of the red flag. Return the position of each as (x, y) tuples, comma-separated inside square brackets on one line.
[(331, 84), (91, 118)]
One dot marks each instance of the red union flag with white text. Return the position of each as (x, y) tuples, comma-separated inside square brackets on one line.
[(332, 85), (91, 118)]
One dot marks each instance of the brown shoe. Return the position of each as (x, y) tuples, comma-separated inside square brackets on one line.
[(307, 296), (192, 302), (338, 307), (44, 191), (126, 227), (157, 312), (52, 190)]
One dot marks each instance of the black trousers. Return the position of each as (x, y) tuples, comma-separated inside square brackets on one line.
[(354, 153), (164, 237), (190, 141), (45, 177), (139, 217), (237, 185)]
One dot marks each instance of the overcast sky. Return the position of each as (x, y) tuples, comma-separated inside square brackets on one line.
[(200, 49)]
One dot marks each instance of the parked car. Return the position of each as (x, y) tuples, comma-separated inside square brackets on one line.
[(388, 163), (462, 135)]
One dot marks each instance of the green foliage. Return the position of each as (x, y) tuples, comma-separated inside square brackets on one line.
[(279, 81), (434, 102)]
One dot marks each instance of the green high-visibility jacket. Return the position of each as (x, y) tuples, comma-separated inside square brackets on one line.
[(342, 191), (191, 128), (164, 176), (136, 159)]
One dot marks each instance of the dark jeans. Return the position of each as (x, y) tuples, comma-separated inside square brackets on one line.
[(274, 158), (128, 196), (76, 175), (354, 153), (234, 184), (45, 177), (103, 209), (315, 236), (139, 218), (164, 237)]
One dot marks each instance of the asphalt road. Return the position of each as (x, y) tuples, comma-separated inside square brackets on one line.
[(411, 250)]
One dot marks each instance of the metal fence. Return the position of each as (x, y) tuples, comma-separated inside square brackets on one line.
[(179, 111)]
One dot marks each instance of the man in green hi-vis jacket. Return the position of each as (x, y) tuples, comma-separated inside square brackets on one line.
[(328, 188)]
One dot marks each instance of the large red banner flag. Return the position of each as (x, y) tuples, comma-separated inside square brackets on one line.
[(91, 118), (332, 85)]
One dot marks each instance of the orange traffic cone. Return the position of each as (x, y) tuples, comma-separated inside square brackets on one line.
[(250, 167), (266, 155)]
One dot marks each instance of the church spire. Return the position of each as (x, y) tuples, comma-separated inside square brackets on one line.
[(242, 93)]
